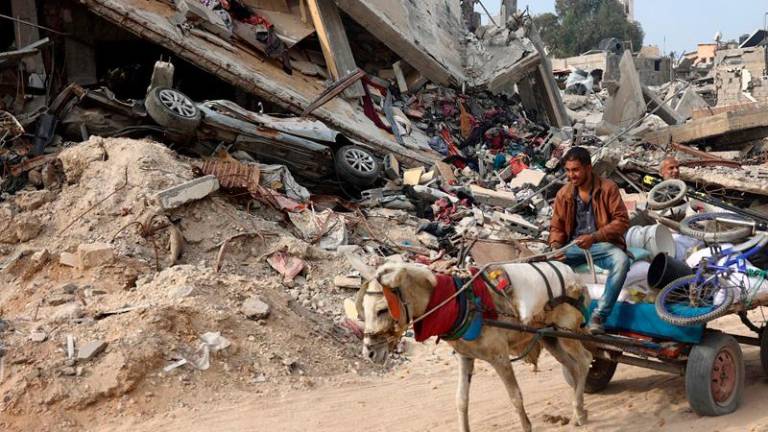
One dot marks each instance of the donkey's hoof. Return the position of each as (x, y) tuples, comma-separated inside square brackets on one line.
[(580, 418)]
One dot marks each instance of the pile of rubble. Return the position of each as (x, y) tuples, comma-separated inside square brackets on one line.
[(223, 246), (113, 289)]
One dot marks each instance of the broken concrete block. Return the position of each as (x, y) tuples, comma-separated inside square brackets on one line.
[(91, 350), (38, 337), (351, 282), (95, 254), (33, 200), (192, 190), (67, 312), (39, 259), (255, 308), (527, 176), (690, 102), (69, 259), (492, 197), (412, 176), (655, 104)]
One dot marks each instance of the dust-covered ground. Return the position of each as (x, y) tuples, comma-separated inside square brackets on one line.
[(92, 261)]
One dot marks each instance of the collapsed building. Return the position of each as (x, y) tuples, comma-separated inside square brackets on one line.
[(295, 135)]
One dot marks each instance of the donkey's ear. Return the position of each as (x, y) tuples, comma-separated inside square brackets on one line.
[(391, 275)]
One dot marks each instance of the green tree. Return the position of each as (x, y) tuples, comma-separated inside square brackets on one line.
[(578, 26)]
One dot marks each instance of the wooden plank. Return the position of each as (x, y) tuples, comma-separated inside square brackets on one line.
[(397, 68), (27, 35), (333, 40)]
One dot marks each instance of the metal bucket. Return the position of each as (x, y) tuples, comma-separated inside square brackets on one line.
[(664, 269), (655, 239)]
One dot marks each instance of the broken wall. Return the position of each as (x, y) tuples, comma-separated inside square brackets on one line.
[(740, 75), (585, 62), (654, 71)]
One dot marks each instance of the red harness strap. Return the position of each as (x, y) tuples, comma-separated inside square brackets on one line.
[(442, 320)]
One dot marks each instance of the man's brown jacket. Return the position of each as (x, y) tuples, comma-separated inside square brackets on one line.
[(611, 218)]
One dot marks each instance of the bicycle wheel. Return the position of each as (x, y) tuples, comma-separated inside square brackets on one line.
[(666, 194), (706, 227), (685, 303)]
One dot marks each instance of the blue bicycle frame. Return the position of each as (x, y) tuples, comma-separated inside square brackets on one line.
[(736, 256)]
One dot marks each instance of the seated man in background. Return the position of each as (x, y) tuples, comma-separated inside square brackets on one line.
[(589, 211), (669, 169)]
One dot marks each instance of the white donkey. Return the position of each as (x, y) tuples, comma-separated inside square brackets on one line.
[(403, 293)]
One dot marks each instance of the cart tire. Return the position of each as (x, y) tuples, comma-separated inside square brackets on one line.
[(667, 194), (664, 312), (714, 375), (172, 109), (764, 350), (689, 226), (600, 374)]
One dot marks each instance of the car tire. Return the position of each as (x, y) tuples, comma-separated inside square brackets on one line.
[(172, 109), (714, 375), (357, 166)]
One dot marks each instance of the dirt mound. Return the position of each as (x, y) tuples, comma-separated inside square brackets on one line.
[(89, 265)]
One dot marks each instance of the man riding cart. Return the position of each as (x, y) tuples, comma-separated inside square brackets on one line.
[(590, 214)]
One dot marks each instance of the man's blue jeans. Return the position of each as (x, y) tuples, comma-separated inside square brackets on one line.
[(611, 258)]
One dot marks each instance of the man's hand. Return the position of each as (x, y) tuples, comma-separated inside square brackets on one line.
[(560, 256), (585, 241)]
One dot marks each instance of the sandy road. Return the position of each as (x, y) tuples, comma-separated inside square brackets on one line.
[(420, 397)]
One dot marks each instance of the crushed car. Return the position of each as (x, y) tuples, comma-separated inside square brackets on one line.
[(309, 148)]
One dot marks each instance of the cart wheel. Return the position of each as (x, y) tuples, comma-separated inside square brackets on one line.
[(714, 376), (764, 349), (667, 194), (600, 374)]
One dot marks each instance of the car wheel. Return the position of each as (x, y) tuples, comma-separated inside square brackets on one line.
[(172, 109), (357, 166)]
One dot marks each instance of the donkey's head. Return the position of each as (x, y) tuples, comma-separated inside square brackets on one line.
[(386, 304)]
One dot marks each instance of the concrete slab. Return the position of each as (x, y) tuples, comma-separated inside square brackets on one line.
[(627, 104), (689, 102), (192, 190)]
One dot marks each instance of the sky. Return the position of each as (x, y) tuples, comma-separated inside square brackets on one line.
[(679, 25)]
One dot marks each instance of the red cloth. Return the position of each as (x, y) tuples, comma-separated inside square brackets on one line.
[(517, 165), (258, 20), (440, 321)]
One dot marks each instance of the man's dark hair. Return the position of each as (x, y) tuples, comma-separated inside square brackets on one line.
[(578, 154)]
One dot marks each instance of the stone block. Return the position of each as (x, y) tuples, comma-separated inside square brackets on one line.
[(94, 255), (255, 308), (91, 350), (69, 259), (192, 190)]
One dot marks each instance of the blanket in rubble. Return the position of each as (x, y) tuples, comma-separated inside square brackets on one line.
[(446, 318)]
